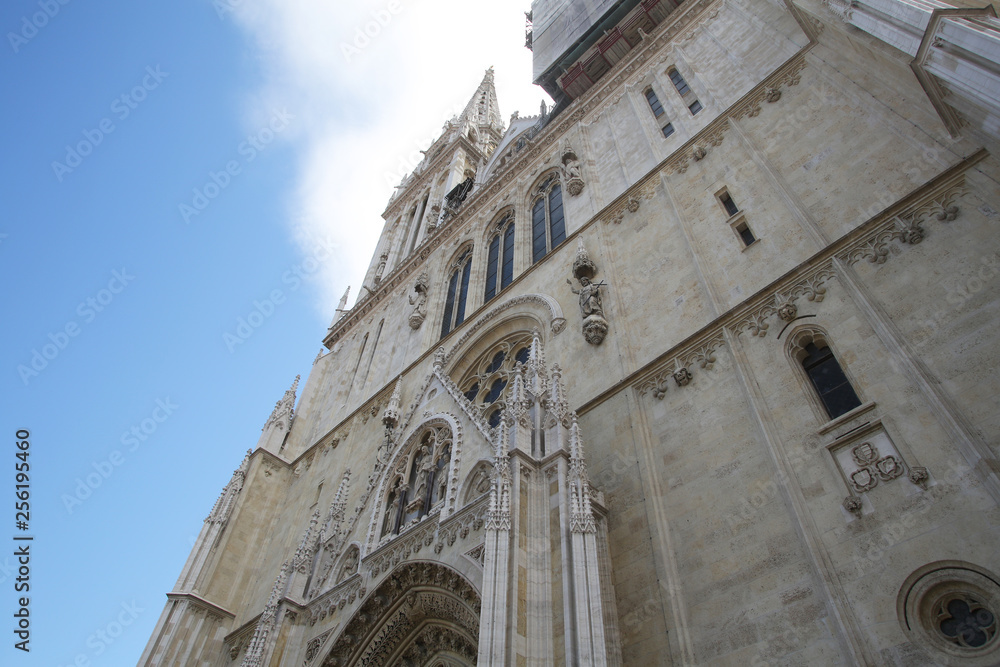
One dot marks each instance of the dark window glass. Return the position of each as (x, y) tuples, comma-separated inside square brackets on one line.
[(654, 103), (496, 362), (679, 83), (458, 290), (557, 222), (828, 378), (695, 108), (507, 271), (495, 390), (745, 234), (668, 129), (523, 355), (494, 418), (538, 248), (491, 268), (472, 392), (449, 304), (729, 204), (463, 293)]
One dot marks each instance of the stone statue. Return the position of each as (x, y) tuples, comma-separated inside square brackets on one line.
[(426, 465), (571, 167), (595, 327), (419, 300)]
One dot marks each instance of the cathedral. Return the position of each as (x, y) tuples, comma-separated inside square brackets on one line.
[(695, 367)]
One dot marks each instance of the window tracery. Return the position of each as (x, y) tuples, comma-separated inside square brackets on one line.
[(487, 383)]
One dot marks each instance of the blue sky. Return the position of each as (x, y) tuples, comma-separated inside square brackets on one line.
[(169, 169)]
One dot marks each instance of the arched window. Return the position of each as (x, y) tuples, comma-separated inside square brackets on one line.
[(500, 266), (548, 226), (825, 374), (458, 290), (420, 482), (489, 380)]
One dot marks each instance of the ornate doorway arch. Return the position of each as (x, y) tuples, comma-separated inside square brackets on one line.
[(423, 614)]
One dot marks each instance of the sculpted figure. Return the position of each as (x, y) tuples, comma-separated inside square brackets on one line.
[(590, 297)]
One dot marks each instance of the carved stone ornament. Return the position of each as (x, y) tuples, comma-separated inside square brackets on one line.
[(853, 504), (571, 168), (909, 231), (698, 153), (772, 95), (873, 467), (419, 301), (682, 376), (380, 269), (595, 327), (786, 308), (919, 475)]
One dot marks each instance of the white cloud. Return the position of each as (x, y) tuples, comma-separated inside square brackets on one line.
[(370, 84)]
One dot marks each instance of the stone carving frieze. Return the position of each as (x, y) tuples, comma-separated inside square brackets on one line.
[(338, 597), (699, 353)]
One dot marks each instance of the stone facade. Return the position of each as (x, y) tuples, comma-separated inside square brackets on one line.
[(759, 425)]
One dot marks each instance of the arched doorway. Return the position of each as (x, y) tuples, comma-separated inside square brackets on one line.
[(421, 615)]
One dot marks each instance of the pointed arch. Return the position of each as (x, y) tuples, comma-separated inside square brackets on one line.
[(541, 310), (548, 218), (499, 242), (825, 379), (397, 488), (457, 291), (419, 608), (477, 482)]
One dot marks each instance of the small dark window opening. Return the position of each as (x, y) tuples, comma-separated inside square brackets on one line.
[(729, 204), (827, 377), (679, 83), (745, 234), (668, 129), (654, 103), (695, 107)]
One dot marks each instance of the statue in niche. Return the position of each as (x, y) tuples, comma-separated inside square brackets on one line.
[(425, 465), (590, 297), (419, 301), (350, 565), (595, 326), (380, 269), (571, 168)]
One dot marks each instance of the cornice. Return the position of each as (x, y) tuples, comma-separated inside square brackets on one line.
[(202, 603), (902, 222)]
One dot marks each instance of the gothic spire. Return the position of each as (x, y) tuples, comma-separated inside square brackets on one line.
[(483, 111), (341, 308), (284, 410)]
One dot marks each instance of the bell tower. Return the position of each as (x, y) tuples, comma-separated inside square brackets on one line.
[(436, 189)]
